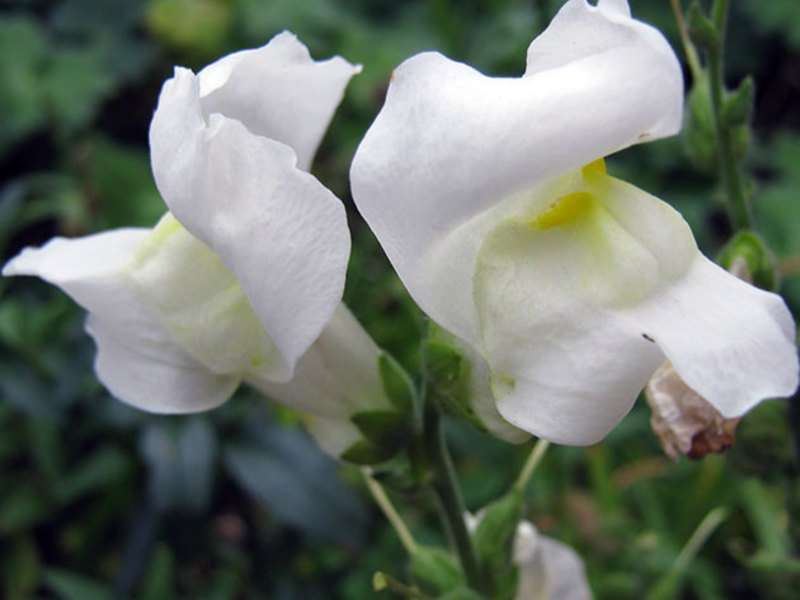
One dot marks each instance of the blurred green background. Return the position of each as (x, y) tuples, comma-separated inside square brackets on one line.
[(99, 501)]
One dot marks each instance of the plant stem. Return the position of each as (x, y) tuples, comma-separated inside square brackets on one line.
[(698, 538), (445, 486), (688, 47), (533, 460), (382, 581), (389, 511), (729, 169)]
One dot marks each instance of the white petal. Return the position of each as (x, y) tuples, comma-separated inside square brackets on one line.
[(548, 569), (279, 92), (276, 228), (335, 379), (199, 301), (157, 376), (89, 269), (137, 360), (567, 359), (451, 145), (730, 342)]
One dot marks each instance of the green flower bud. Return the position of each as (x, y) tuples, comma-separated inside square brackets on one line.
[(748, 257), (698, 131), (701, 30), (738, 105), (435, 570)]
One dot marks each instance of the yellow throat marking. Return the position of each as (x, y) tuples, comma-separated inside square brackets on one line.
[(568, 209), (564, 211)]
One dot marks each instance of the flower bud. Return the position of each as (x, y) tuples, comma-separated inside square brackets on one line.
[(748, 257)]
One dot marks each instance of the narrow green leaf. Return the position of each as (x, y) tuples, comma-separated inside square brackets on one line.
[(68, 585), (159, 581)]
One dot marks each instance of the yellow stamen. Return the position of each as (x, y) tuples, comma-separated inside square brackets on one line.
[(563, 211)]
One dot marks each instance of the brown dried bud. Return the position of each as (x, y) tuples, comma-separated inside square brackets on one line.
[(684, 422)]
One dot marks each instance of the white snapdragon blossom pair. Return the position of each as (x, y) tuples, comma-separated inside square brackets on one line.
[(242, 279), (491, 199)]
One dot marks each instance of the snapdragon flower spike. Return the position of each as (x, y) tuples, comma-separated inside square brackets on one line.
[(491, 200), (245, 272)]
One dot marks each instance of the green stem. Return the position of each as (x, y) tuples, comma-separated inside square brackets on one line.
[(445, 486), (533, 460), (712, 520), (688, 47), (389, 511), (382, 581), (729, 168)]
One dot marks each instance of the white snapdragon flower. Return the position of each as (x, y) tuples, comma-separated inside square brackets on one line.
[(491, 200), (548, 569), (242, 279)]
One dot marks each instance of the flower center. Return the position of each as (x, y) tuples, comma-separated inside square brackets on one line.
[(568, 209), (563, 211)]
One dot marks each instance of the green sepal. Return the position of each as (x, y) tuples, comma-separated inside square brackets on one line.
[(384, 427), (759, 261), (506, 583), (494, 542), (461, 593), (701, 30), (385, 432), (738, 106), (398, 477), (364, 452), (495, 532), (448, 378), (698, 131), (435, 570), (396, 383)]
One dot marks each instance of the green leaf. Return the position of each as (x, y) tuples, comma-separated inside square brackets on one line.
[(435, 570), (287, 472), (96, 471), (121, 178), (199, 26), (23, 50), (75, 85), (396, 383), (20, 568), (72, 586), (21, 508), (159, 581)]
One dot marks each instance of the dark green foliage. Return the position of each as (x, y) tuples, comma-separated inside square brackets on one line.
[(98, 500)]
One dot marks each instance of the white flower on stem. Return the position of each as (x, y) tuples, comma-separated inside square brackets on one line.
[(491, 200), (548, 569), (247, 269)]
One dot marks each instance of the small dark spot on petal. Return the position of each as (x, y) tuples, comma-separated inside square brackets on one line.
[(648, 338)]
